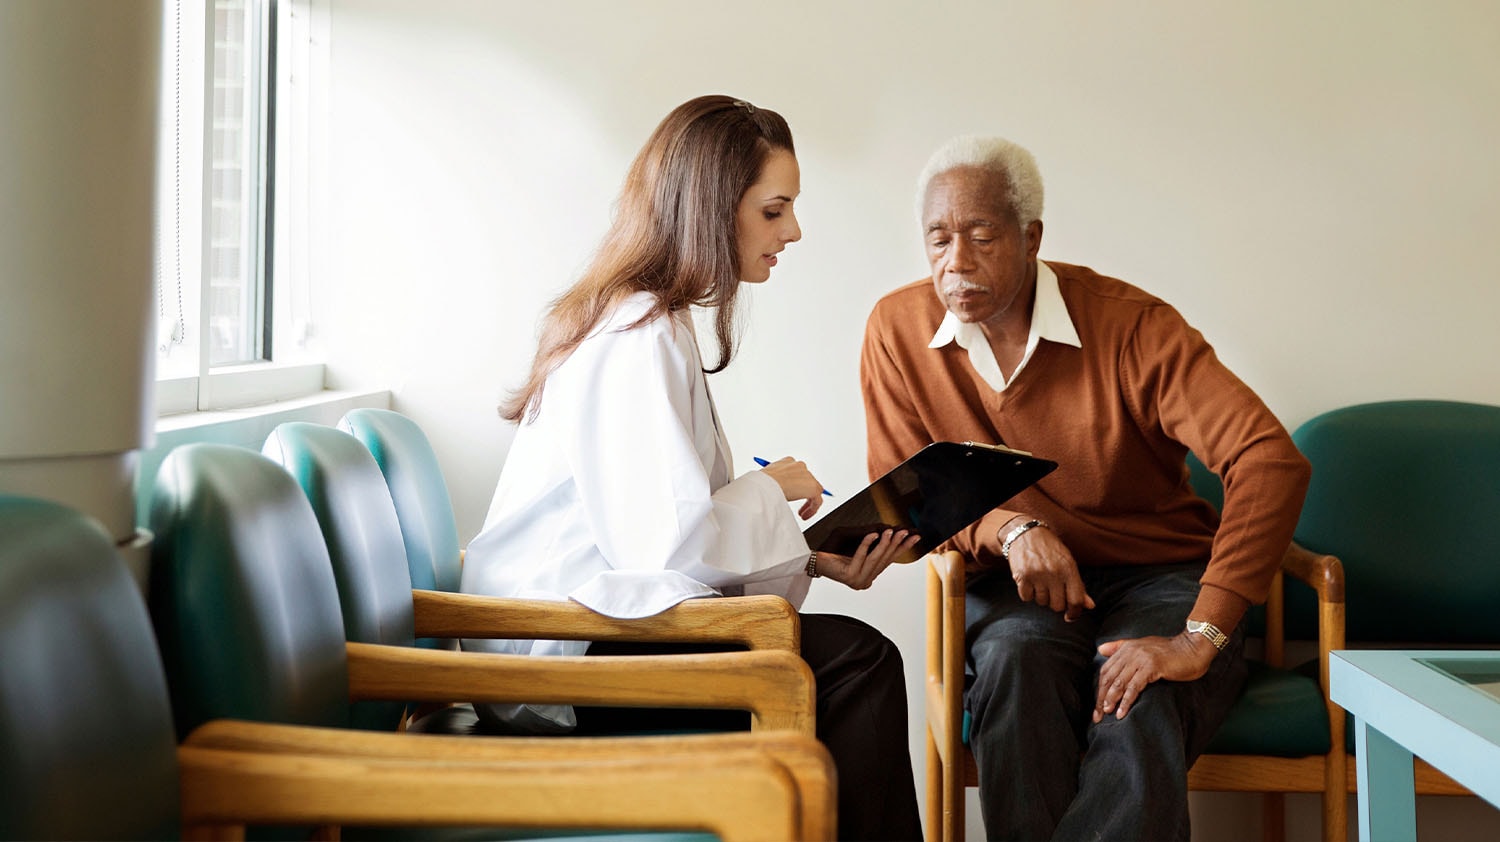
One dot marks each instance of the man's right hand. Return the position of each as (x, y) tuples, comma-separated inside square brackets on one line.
[(1045, 573)]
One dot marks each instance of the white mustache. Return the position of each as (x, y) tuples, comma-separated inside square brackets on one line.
[(951, 287)]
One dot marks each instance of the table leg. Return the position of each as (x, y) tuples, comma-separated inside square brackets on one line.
[(1387, 787)]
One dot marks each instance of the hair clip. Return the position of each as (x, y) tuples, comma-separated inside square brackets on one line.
[(745, 105)]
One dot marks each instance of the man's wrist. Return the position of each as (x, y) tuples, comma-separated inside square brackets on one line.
[(1009, 538), (1207, 631)]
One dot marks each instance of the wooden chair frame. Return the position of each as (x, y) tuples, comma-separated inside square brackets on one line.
[(757, 622), (775, 686), (739, 792), (603, 760), (951, 768)]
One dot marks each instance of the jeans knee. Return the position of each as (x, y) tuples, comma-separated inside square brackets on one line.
[(1029, 671)]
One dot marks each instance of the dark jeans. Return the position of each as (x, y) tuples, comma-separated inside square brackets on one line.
[(861, 709), (1047, 772)]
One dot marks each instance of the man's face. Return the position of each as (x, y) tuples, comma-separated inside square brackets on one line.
[(981, 258)]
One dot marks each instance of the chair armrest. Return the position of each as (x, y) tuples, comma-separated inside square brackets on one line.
[(759, 622), (1323, 573), (803, 756), (775, 686), (747, 795)]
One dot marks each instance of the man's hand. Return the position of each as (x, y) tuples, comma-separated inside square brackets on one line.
[(1133, 664), (1045, 573)]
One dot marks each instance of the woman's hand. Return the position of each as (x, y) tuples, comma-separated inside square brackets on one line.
[(797, 483), (875, 554)]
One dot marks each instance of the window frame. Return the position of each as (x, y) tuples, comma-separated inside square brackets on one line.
[(294, 367)]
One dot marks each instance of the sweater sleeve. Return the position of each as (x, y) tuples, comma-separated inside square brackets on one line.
[(1175, 382)]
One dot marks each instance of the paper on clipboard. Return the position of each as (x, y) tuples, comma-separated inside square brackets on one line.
[(941, 489)]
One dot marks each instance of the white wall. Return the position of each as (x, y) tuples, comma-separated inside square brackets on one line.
[(1313, 184)]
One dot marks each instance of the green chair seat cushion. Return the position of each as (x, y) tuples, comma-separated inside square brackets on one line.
[(1281, 713)]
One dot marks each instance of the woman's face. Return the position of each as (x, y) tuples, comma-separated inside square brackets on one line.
[(765, 221)]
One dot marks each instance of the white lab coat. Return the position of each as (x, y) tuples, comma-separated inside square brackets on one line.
[(618, 495)]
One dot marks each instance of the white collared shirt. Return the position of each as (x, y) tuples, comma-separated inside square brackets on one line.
[(619, 496), (1049, 320)]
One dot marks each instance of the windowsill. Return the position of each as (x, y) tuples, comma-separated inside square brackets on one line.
[(324, 400), (244, 427)]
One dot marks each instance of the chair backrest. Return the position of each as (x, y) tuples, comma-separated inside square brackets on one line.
[(359, 526), (86, 743), (415, 480), (1407, 495), (242, 593), (1205, 482)]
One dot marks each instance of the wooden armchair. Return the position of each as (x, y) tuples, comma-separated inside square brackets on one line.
[(424, 512), (1405, 493), (1284, 735), (368, 551), (87, 748)]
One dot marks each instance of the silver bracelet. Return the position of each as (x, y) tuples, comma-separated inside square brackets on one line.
[(1011, 536), (812, 565)]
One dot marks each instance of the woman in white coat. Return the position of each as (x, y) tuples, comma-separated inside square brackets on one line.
[(619, 489)]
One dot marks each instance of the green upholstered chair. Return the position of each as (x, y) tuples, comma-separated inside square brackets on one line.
[(1407, 494), (423, 507), (361, 529), (411, 471), (87, 749), (248, 615), (86, 744), (1283, 735)]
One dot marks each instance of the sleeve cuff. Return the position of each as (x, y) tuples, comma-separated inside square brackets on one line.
[(1221, 607)]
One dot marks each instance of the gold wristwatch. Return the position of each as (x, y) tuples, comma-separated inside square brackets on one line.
[(1210, 631)]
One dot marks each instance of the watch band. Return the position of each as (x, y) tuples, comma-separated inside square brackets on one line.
[(1210, 631), (1011, 536), (812, 565)]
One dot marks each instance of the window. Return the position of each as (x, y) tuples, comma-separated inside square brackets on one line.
[(232, 285)]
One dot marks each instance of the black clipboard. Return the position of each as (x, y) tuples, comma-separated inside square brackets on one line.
[(943, 488)]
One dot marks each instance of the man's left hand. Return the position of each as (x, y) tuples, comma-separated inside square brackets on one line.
[(1135, 663)]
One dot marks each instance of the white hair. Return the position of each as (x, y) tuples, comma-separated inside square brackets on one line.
[(997, 155)]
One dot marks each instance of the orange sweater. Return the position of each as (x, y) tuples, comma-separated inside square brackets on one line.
[(1119, 415)]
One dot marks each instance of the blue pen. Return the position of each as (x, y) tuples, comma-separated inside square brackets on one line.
[(761, 462)]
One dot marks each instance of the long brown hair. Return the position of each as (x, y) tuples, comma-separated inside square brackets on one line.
[(673, 233)]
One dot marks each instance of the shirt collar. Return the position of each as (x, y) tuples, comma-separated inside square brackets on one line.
[(1049, 317), (1049, 321)]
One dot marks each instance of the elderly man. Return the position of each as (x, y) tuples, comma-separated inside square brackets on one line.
[(1104, 603)]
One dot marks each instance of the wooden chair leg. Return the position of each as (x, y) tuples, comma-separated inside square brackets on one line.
[(934, 791), (954, 787), (1273, 817)]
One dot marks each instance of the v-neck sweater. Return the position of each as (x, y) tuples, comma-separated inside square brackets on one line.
[(1119, 415)]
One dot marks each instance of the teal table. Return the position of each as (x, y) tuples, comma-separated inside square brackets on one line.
[(1443, 706)]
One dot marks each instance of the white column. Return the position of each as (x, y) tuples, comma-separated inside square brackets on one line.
[(78, 107)]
